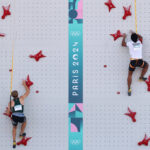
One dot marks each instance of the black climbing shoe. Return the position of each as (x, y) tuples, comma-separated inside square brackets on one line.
[(22, 135), (142, 79), (129, 92), (14, 144)]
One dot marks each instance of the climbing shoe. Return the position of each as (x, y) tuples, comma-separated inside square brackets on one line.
[(14, 144), (129, 92), (142, 79), (22, 135)]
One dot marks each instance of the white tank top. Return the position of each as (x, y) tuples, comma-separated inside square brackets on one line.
[(135, 49)]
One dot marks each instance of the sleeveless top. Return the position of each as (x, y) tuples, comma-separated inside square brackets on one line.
[(18, 107)]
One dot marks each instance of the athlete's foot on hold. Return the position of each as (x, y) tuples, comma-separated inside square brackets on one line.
[(142, 78), (129, 92), (14, 144), (22, 135)]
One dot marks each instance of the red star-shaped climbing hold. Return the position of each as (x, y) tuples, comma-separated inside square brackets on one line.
[(110, 5), (2, 34), (116, 35), (131, 114), (148, 84), (127, 12), (6, 113), (24, 141), (37, 56), (144, 141), (118, 92), (6, 11), (29, 82)]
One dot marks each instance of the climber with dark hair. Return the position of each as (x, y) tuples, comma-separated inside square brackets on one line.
[(16, 106), (135, 46)]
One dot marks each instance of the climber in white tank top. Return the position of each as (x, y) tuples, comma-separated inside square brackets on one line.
[(135, 49)]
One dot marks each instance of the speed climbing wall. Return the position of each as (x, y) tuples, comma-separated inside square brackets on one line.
[(35, 26), (105, 77)]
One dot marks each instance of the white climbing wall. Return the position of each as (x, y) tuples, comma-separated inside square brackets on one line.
[(105, 125), (43, 25), (34, 26)]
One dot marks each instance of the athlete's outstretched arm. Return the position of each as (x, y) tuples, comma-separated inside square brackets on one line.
[(140, 37), (123, 41), (27, 90)]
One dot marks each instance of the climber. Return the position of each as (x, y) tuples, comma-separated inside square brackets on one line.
[(135, 46), (16, 106)]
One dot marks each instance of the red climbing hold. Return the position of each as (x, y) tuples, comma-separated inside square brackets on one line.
[(37, 56), (7, 114), (127, 12), (10, 70), (144, 141), (110, 5), (131, 114), (37, 91), (29, 82), (2, 34), (117, 35), (6, 11), (24, 141), (148, 84), (105, 66), (118, 92)]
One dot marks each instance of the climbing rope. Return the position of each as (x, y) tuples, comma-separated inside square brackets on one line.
[(12, 68), (12, 65), (135, 16)]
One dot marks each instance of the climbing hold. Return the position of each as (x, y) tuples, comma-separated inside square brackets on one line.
[(10, 70), (37, 91), (37, 56), (7, 114), (2, 34), (110, 5), (148, 84), (131, 114), (29, 82), (144, 141), (6, 11), (116, 35), (24, 141), (105, 66), (127, 12), (118, 92)]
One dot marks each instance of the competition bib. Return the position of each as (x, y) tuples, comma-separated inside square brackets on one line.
[(18, 107), (137, 46)]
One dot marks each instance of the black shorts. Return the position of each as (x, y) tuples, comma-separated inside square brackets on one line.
[(16, 119), (137, 63)]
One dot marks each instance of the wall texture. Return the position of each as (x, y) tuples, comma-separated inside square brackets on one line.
[(34, 26), (43, 25), (105, 125)]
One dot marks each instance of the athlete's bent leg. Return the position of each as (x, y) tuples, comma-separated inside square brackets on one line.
[(23, 126), (14, 132), (129, 79), (144, 70), (14, 136)]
